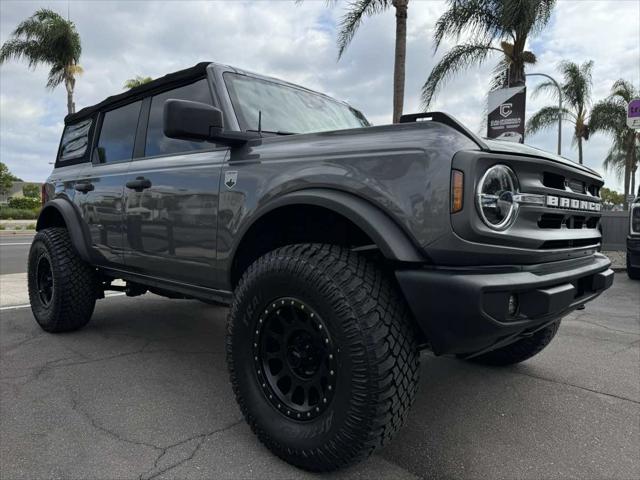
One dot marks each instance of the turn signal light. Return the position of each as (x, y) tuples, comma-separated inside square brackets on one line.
[(457, 190)]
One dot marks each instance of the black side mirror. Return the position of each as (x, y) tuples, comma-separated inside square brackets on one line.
[(187, 120)]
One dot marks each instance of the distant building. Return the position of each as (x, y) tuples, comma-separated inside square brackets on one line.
[(15, 191)]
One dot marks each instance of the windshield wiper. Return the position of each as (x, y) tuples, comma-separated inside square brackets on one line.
[(278, 132)]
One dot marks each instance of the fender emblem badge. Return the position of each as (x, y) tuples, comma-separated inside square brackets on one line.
[(230, 179)]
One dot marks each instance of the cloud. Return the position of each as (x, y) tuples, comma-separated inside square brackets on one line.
[(298, 44)]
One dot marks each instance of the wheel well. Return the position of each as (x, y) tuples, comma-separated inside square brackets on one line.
[(295, 224), (50, 217)]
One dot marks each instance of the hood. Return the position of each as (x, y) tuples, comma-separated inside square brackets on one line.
[(501, 146)]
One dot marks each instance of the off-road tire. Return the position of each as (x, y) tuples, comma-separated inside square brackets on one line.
[(633, 273), (378, 358), (74, 283), (521, 350)]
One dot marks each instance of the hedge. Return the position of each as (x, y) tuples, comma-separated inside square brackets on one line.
[(9, 213), (24, 203)]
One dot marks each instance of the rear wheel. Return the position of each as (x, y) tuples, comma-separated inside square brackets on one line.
[(521, 350), (62, 287), (322, 355)]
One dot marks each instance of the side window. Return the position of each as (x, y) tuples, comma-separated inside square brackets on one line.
[(118, 133), (75, 140), (157, 143)]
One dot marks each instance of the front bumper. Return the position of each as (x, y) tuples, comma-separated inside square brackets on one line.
[(465, 311), (633, 251)]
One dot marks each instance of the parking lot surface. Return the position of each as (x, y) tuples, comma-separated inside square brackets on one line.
[(143, 392)]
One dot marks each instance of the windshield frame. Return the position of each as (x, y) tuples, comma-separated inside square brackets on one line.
[(244, 125)]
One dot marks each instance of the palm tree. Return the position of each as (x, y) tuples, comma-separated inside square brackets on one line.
[(609, 116), (576, 100), (136, 82), (358, 9), (45, 37), (501, 26)]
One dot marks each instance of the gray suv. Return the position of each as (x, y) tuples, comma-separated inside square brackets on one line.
[(343, 249)]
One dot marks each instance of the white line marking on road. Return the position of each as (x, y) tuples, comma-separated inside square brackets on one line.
[(18, 307), (11, 244)]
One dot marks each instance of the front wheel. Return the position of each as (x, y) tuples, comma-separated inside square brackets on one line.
[(322, 355)]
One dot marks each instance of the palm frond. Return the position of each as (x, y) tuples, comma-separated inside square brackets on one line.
[(624, 89), (526, 17), (548, 88), (529, 57), (459, 58), (500, 74), (45, 37), (56, 76), (547, 117), (477, 17), (351, 20), (576, 88), (615, 161), (31, 50), (608, 116)]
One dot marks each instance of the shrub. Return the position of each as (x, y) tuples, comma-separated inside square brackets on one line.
[(10, 213), (31, 190), (27, 203)]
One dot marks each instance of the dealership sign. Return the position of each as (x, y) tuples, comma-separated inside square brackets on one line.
[(633, 114), (506, 114)]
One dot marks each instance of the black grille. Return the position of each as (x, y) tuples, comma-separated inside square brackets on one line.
[(553, 180), (550, 220), (574, 243), (556, 220), (560, 182), (576, 186)]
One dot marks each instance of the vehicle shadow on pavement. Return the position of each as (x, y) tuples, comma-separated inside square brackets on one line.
[(143, 392)]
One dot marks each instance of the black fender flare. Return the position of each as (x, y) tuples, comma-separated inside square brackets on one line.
[(73, 222), (394, 243)]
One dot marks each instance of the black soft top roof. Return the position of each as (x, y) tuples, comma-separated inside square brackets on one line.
[(172, 78)]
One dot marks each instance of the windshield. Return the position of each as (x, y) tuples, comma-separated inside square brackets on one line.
[(287, 109)]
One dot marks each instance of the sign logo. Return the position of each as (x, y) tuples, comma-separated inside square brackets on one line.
[(505, 109), (633, 114), (230, 179)]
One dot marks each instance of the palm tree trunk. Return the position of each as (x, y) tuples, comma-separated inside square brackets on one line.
[(627, 177), (580, 150), (69, 84), (401, 7)]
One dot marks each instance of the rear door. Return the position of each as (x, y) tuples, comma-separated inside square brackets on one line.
[(99, 193), (171, 198)]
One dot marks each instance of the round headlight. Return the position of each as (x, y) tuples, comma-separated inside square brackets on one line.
[(495, 197)]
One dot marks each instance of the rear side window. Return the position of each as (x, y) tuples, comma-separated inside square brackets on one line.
[(157, 143), (118, 133), (75, 141)]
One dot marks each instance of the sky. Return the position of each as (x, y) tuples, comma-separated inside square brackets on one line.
[(297, 43)]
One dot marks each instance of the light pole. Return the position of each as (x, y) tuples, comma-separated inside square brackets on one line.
[(559, 105)]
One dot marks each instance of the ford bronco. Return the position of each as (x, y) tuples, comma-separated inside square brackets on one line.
[(342, 248)]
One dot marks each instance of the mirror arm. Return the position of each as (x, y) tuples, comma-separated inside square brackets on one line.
[(231, 138)]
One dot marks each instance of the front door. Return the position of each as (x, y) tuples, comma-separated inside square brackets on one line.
[(171, 200)]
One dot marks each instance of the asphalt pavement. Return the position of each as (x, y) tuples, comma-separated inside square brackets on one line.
[(14, 251), (143, 392)]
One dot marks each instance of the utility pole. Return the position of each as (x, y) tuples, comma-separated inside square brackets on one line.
[(559, 105)]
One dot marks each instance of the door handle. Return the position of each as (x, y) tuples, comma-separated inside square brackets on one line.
[(84, 187), (139, 184)]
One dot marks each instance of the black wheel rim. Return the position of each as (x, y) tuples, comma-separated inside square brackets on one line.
[(44, 280), (294, 359)]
